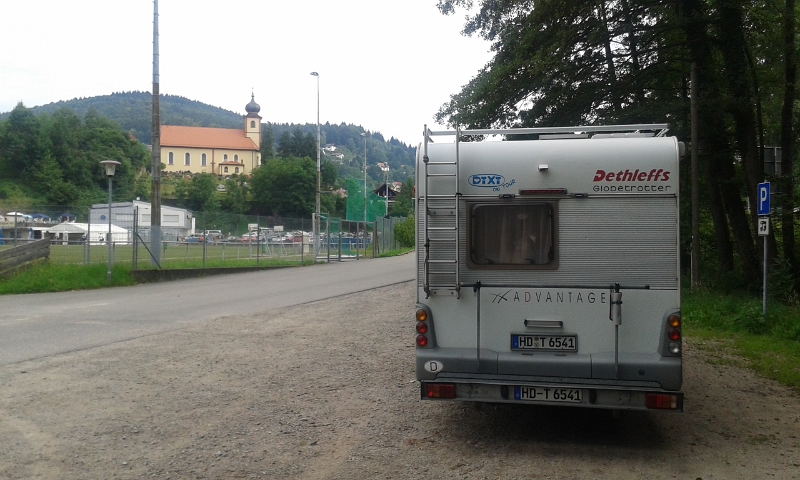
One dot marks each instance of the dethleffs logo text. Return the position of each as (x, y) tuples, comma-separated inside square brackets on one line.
[(653, 175)]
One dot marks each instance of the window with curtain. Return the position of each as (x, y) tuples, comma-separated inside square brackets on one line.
[(512, 235)]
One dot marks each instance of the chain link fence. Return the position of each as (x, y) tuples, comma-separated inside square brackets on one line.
[(203, 239)]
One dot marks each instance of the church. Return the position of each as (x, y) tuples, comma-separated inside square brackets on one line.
[(219, 151)]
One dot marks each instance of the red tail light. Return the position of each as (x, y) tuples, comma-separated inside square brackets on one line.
[(674, 334), (422, 327), (440, 390), (661, 401), (422, 340)]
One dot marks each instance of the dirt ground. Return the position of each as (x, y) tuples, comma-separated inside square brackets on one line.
[(327, 391)]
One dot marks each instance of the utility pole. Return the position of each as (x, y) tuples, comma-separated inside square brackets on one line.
[(155, 166)]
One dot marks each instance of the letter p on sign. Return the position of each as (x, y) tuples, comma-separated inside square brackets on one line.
[(763, 198)]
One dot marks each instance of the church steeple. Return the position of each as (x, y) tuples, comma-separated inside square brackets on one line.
[(252, 107), (252, 121)]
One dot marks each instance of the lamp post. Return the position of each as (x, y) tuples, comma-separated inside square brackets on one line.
[(110, 166), (365, 182), (317, 224)]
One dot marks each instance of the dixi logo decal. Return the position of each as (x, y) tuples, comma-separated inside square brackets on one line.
[(486, 180), (491, 180)]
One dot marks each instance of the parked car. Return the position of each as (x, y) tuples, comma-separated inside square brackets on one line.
[(213, 235), (194, 238)]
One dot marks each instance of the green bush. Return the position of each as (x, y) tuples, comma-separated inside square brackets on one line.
[(404, 232)]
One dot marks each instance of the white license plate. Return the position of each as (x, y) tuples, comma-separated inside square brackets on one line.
[(567, 343), (548, 394)]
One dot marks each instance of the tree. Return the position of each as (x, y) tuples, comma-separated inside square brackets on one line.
[(403, 205), (788, 136), (48, 180), (285, 187), (328, 175), (297, 144), (567, 63), (404, 232), (58, 156), (267, 146), (199, 193), (21, 145), (235, 200)]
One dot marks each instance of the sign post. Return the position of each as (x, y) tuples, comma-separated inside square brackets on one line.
[(763, 199)]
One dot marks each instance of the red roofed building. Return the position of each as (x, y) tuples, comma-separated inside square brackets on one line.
[(220, 151)]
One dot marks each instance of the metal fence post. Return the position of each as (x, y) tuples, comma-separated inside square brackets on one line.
[(328, 238), (135, 239)]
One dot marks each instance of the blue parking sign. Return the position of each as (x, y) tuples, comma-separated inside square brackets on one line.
[(762, 198)]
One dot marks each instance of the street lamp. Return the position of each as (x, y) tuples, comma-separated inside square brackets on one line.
[(365, 182), (110, 166), (316, 227)]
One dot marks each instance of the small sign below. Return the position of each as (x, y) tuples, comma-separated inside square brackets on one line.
[(763, 226)]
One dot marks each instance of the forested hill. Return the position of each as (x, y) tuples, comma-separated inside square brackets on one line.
[(132, 111)]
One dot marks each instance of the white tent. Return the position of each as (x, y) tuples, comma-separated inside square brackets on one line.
[(96, 232), (19, 216)]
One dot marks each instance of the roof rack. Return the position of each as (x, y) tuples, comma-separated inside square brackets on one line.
[(583, 131)]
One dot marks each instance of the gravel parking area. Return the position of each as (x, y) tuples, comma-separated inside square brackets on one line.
[(327, 390)]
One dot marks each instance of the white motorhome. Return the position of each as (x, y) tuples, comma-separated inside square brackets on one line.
[(547, 267)]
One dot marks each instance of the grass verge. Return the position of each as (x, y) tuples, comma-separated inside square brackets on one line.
[(732, 329), (394, 253), (47, 277), (55, 277)]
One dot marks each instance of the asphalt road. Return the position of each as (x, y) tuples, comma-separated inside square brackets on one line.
[(40, 325)]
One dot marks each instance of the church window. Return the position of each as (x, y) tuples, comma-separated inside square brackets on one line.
[(225, 170), (252, 124), (187, 159), (203, 160), (236, 170), (225, 157), (236, 158), (171, 159)]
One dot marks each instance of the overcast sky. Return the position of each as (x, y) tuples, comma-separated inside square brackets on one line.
[(385, 65)]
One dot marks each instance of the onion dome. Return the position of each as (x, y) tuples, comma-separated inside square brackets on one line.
[(252, 107)]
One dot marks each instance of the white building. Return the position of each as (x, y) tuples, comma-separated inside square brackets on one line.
[(175, 222)]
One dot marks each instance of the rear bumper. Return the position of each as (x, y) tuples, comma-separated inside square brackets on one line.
[(493, 378), (593, 394)]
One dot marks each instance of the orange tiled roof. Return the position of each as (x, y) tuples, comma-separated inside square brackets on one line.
[(205, 137)]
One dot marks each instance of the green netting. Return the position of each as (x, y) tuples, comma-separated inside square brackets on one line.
[(376, 206)]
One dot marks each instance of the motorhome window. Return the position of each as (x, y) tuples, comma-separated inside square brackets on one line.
[(512, 235)]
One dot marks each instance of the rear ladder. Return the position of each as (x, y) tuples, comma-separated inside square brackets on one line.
[(440, 224)]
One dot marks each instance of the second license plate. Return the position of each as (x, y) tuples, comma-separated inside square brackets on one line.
[(567, 343), (548, 394)]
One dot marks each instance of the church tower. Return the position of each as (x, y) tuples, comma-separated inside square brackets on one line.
[(252, 121)]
